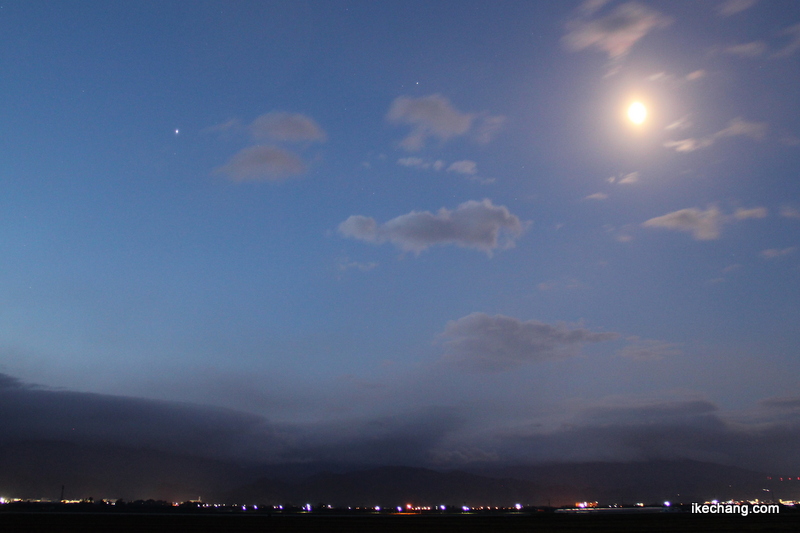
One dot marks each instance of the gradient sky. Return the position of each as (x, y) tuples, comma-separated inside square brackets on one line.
[(423, 229)]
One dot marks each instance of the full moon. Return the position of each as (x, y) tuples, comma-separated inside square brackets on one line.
[(637, 112)]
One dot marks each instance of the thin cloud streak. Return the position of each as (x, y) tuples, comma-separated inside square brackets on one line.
[(615, 33), (736, 127)]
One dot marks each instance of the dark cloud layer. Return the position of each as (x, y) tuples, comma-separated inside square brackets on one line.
[(615, 430)]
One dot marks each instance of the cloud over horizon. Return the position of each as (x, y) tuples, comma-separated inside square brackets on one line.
[(498, 343)]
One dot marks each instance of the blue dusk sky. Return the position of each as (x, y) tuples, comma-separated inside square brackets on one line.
[(412, 232)]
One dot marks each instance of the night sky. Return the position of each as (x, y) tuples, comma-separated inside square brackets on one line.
[(403, 232)]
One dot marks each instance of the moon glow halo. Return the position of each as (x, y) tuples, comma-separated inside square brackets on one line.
[(637, 112)]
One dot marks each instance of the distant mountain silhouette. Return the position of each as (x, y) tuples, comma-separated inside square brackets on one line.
[(39, 469)]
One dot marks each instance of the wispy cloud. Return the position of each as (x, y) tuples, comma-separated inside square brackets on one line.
[(465, 166), (429, 116), (614, 33), (774, 253), (280, 126), (751, 49), (695, 75), (793, 32), (743, 213), (596, 196), (224, 127), (418, 162), (682, 123), (345, 263), (703, 225), (624, 179), (648, 349), (732, 7), (478, 225), (497, 343), (790, 212), (487, 127), (736, 127)]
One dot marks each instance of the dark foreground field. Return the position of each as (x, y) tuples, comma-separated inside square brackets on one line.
[(48, 522)]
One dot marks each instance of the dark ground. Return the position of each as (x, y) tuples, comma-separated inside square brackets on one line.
[(545, 522)]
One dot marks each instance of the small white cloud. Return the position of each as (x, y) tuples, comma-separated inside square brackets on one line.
[(418, 162), (682, 123), (596, 196), (732, 7), (345, 264), (774, 253), (689, 145), (738, 126), (631, 177), (695, 75), (755, 212), (477, 225), (413, 162), (280, 126), (262, 163), (794, 44), (616, 32), (224, 127), (659, 76), (790, 212), (465, 166), (487, 126), (648, 349)]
